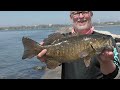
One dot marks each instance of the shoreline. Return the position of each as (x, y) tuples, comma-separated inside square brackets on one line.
[(45, 27)]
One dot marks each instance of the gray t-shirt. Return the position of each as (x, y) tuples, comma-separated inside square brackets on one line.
[(78, 70)]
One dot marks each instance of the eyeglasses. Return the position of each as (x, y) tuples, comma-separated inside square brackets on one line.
[(77, 13)]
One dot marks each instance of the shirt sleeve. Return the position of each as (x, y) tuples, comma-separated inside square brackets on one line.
[(116, 57), (116, 62)]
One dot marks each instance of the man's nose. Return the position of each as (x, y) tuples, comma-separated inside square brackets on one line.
[(81, 15)]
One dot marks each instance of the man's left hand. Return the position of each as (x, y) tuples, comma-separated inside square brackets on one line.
[(106, 56)]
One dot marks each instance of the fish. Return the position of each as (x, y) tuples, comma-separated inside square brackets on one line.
[(68, 49)]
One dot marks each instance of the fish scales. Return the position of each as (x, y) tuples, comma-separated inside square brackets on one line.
[(68, 46)]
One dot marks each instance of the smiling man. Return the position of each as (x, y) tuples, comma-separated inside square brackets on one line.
[(103, 66)]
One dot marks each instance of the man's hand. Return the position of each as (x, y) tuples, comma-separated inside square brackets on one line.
[(106, 56), (40, 56), (105, 59)]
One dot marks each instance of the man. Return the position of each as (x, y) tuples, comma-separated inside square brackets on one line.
[(103, 66)]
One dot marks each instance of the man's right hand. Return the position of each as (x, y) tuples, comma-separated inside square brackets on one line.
[(40, 56)]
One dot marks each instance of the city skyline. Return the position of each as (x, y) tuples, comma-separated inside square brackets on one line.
[(18, 18)]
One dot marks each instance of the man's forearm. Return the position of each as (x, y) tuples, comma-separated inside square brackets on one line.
[(107, 67)]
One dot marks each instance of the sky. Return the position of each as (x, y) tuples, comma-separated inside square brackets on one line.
[(16, 18)]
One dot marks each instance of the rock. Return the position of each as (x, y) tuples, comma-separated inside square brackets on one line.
[(52, 74), (39, 67)]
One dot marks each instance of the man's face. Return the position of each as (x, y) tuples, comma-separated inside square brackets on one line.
[(81, 19)]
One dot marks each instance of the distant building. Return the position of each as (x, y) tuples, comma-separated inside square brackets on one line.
[(50, 25), (110, 23)]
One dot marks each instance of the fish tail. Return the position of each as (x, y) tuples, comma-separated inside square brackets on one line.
[(31, 48)]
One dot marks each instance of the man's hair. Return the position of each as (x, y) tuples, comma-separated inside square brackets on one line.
[(72, 12)]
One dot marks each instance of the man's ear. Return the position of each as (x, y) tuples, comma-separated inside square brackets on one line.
[(71, 18), (91, 13)]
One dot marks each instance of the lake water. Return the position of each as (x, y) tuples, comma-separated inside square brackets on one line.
[(11, 51), (112, 29)]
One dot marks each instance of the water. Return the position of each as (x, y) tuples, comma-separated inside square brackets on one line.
[(112, 29), (11, 51), (11, 64)]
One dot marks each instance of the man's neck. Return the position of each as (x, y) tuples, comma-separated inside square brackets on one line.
[(89, 31)]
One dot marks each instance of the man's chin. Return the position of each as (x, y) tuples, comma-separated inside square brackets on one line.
[(81, 27)]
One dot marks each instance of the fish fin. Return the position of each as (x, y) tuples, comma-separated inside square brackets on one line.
[(91, 53), (52, 64), (87, 52), (31, 48), (84, 54), (52, 38), (87, 61)]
